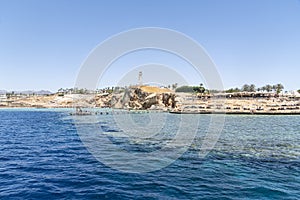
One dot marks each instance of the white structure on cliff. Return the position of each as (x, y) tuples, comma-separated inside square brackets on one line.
[(140, 78)]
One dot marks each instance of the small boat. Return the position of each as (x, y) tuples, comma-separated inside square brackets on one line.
[(79, 111)]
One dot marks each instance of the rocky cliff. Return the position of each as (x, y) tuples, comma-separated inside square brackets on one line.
[(144, 98)]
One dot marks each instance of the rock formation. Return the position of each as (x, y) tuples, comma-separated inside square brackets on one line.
[(141, 99)]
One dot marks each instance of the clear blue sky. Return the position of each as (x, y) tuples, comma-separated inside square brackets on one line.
[(44, 42)]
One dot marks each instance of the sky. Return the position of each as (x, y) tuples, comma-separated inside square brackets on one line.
[(43, 43)]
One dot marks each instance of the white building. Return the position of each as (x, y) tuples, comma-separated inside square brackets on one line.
[(3, 97)]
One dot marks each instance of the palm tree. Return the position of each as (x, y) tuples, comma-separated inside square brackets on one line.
[(246, 88), (201, 88), (259, 89), (278, 88), (174, 86), (252, 88), (269, 88)]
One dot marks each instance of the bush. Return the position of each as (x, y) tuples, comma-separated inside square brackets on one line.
[(187, 89)]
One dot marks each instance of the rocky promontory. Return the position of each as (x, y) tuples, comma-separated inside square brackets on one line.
[(138, 98), (144, 97)]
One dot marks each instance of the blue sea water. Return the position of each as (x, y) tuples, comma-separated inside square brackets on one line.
[(42, 157)]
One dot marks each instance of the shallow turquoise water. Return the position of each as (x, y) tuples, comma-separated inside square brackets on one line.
[(42, 157)]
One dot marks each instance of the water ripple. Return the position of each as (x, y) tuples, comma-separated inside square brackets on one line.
[(42, 157)]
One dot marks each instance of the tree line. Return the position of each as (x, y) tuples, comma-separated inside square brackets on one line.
[(252, 88), (245, 88)]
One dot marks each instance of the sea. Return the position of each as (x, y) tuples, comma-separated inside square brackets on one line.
[(45, 154)]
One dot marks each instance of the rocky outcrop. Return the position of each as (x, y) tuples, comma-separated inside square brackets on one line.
[(137, 98)]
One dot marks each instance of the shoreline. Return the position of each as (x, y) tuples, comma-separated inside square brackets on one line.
[(125, 111), (153, 99), (235, 113)]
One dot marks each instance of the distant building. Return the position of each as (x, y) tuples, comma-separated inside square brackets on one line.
[(3, 97), (3, 100)]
